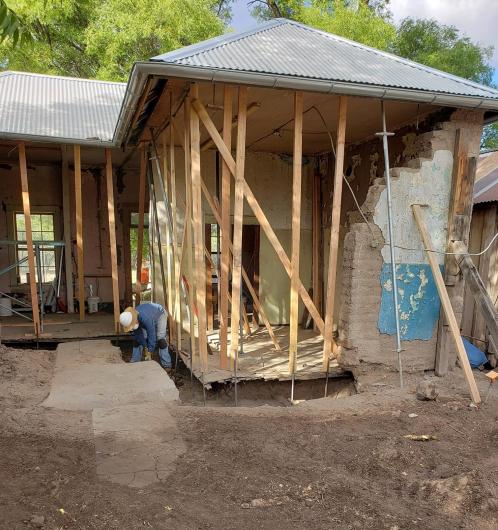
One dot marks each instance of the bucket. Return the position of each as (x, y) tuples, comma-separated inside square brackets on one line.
[(5, 307), (93, 304)]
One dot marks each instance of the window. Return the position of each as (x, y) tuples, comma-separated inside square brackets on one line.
[(42, 225)]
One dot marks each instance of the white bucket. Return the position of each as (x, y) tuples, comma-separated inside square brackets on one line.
[(5, 307), (93, 304)]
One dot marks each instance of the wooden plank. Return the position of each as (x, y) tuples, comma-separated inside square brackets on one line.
[(209, 281), (168, 241), (66, 221), (446, 304), (484, 304), (112, 237), (188, 224), (141, 215), (488, 232), (238, 221), (296, 229), (316, 214), (29, 236), (334, 232), (200, 269), (257, 210), (225, 226), (79, 230)]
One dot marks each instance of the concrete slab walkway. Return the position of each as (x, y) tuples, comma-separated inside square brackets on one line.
[(136, 437)]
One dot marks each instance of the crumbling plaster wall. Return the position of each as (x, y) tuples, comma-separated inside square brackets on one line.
[(422, 161)]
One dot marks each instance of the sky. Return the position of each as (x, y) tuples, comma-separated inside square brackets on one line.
[(478, 19)]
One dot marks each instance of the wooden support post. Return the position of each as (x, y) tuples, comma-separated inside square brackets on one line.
[(238, 220), (257, 210), (225, 228), (29, 237), (141, 214), (484, 305), (79, 230), (334, 232), (112, 237), (168, 242), (200, 269), (446, 304), (66, 214), (317, 243), (296, 229), (209, 281), (177, 314)]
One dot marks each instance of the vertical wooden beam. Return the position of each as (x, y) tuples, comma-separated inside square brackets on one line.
[(446, 304), (112, 237), (79, 230), (66, 215), (209, 280), (334, 231), (238, 214), (296, 229), (169, 239), (200, 269), (317, 243), (29, 236), (187, 220), (225, 228), (141, 214)]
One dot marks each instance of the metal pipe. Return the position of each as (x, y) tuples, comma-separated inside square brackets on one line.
[(384, 135), (40, 285), (13, 266)]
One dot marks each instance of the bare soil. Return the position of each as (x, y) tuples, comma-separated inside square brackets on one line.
[(324, 465)]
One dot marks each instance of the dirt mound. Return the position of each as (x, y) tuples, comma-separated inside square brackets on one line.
[(24, 376)]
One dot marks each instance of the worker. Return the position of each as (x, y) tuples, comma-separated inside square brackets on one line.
[(148, 323)]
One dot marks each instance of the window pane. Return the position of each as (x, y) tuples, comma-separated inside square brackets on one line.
[(48, 223)]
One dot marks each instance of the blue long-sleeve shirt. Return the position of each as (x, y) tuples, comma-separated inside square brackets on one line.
[(148, 315)]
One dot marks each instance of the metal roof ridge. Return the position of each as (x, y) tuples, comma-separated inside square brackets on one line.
[(61, 77), (218, 42), (395, 57)]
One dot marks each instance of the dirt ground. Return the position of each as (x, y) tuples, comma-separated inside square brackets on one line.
[(325, 464)]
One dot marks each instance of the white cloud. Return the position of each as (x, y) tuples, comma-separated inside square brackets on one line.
[(478, 19)]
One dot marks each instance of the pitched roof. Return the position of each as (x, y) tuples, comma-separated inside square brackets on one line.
[(286, 48), (50, 108), (486, 187)]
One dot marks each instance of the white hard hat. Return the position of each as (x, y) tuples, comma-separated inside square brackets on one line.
[(125, 319)]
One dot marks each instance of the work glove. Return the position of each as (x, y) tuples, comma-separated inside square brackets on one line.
[(147, 355)]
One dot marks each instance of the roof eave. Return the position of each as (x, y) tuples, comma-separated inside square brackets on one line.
[(55, 140), (141, 70)]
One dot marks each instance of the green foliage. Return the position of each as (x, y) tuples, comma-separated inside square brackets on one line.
[(12, 28), (442, 47), (489, 139), (103, 38)]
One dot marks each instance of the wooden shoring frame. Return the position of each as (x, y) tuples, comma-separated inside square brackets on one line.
[(79, 230), (238, 221), (317, 243), (328, 340), (200, 269), (446, 304), (215, 209), (66, 220), (297, 171), (141, 215), (26, 205), (225, 227), (111, 212), (257, 210)]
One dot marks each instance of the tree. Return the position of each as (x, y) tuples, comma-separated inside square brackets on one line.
[(489, 139), (103, 38), (12, 27), (442, 47)]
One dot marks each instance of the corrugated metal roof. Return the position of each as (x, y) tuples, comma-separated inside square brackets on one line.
[(55, 108), (486, 188), (287, 48)]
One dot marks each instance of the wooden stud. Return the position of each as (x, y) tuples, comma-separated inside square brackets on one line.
[(296, 228), (79, 230), (209, 280), (200, 269), (334, 232), (225, 226), (238, 220), (257, 210), (112, 237), (446, 304), (168, 241), (141, 214), (317, 243), (29, 236), (66, 215)]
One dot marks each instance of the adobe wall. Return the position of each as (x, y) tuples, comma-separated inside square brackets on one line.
[(422, 162)]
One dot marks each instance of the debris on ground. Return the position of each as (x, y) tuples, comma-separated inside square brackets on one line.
[(420, 437), (426, 390)]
